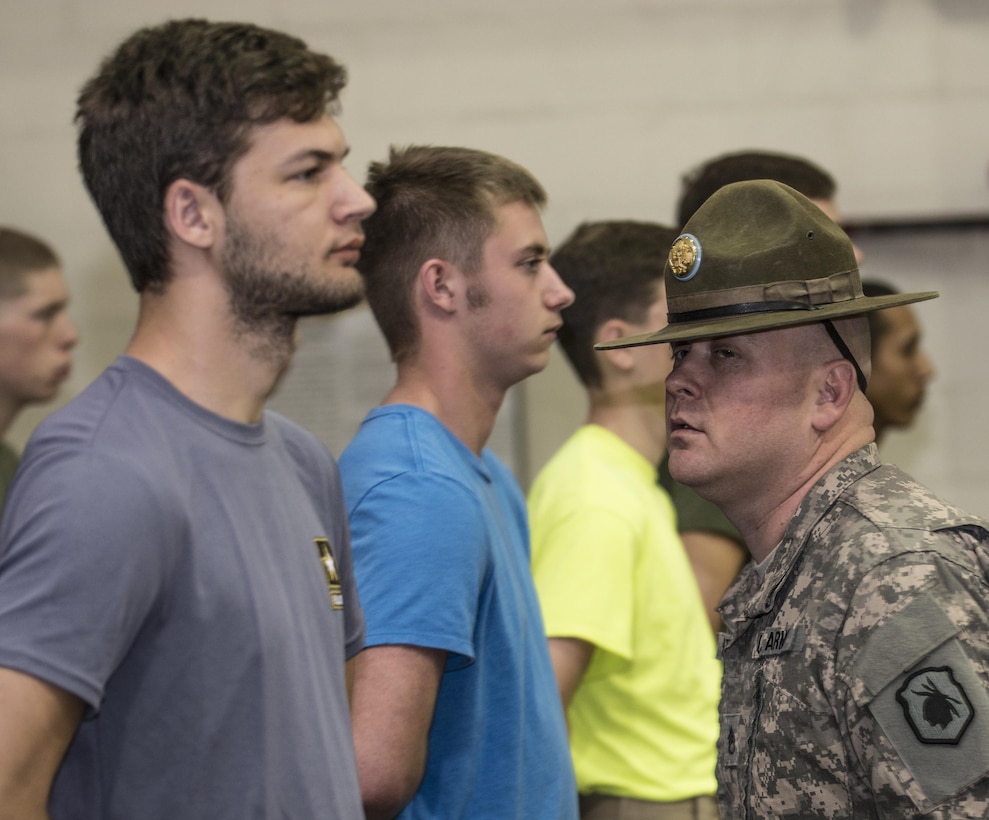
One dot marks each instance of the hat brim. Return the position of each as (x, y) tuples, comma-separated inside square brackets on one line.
[(752, 322)]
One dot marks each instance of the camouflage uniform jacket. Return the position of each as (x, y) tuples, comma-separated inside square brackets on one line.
[(856, 667)]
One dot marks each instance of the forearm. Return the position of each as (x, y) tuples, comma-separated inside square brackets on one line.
[(390, 768), (570, 658), (24, 804), (394, 698), (37, 722)]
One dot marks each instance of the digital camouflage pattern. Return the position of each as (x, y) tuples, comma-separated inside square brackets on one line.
[(855, 667)]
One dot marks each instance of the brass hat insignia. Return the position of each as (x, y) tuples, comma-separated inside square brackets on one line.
[(685, 257)]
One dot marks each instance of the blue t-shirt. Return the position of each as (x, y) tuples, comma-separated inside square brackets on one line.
[(166, 566), (442, 560)]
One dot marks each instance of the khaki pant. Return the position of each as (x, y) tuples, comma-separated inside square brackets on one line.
[(607, 807)]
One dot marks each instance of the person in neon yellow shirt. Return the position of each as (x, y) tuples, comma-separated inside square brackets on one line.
[(629, 638)]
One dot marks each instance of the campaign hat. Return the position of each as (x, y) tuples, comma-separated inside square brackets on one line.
[(758, 255)]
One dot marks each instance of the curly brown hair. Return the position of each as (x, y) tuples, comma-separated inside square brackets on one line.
[(179, 101)]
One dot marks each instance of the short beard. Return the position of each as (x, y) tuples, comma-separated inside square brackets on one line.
[(271, 287)]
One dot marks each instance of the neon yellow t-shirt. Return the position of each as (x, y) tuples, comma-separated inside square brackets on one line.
[(610, 569)]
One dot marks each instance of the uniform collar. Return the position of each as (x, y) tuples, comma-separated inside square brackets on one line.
[(755, 593)]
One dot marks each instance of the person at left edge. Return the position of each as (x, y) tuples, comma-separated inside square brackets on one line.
[(176, 594), (37, 335), (455, 707)]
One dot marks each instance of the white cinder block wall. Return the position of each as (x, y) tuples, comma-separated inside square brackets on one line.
[(607, 102)]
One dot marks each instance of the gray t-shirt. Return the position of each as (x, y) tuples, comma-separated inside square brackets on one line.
[(190, 579)]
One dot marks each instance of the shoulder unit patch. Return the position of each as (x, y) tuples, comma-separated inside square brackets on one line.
[(935, 705)]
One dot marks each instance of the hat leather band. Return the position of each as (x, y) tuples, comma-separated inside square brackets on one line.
[(806, 294), (735, 310)]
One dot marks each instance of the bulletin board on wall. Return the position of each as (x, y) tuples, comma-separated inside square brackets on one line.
[(341, 369), (947, 448)]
